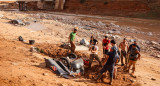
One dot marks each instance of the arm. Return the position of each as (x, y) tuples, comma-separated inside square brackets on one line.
[(139, 55), (138, 48), (129, 48), (94, 51), (90, 48)]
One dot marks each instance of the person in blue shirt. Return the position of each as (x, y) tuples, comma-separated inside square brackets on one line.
[(110, 61)]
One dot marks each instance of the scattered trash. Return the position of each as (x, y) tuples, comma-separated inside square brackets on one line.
[(65, 45), (20, 38), (18, 22), (84, 42), (31, 42)]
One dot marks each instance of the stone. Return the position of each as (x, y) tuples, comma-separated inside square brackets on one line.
[(45, 74), (1, 16), (153, 79), (110, 32), (14, 63), (150, 33), (158, 56), (154, 43)]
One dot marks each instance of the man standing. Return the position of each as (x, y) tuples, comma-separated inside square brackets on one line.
[(130, 47), (105, 44), (72, 38), (94, 55), (133, 57), (110, 62), (123, 45)]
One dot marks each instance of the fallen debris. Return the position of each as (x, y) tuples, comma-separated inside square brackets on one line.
[(84, 42)]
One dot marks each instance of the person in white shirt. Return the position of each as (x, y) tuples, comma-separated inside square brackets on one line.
[(94, 55)]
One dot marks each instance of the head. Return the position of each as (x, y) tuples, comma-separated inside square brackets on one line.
[(135, 42), (106, 37), (113, 42), (134, 46), (124, 40), (75, 29)]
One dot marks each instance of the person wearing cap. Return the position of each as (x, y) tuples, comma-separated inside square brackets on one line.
[(123, 45), (105, 44), (134, 55), (131, 46), (72, 38), (110, 62)]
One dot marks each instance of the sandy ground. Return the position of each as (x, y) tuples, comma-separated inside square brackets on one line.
[(20, 67)]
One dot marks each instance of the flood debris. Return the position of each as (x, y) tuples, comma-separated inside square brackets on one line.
[(17, 22), (84, 42)]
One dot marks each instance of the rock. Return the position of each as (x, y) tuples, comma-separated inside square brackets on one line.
[(45, 74), (158, 56), (153, 79), (150, 33), (154, 43), (14, 63), (1, 16), (110, 32), (84, 42)]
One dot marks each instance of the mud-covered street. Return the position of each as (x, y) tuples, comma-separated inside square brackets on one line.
[(20, 67)]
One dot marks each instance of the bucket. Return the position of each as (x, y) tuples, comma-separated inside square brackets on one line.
[(31, 42)]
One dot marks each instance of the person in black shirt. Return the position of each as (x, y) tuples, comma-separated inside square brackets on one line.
[(130, 47), (93, 41), (112, 58)]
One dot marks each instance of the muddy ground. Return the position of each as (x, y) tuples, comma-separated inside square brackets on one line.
[(20, 67)]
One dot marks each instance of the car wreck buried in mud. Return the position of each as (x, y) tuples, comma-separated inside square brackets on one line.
[(66, 66)]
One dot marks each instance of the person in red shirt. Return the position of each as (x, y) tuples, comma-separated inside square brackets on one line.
[(105, 44)]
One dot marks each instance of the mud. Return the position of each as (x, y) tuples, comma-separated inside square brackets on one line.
[(55, 51)]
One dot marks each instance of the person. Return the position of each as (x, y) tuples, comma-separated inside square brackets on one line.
[(131, 46), (94, 55), (133, 57), (105, 44), (72, 38), (93, 41), (111, 60), (123, 45)]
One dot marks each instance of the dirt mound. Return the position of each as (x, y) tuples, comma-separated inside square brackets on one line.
[(55, 51)]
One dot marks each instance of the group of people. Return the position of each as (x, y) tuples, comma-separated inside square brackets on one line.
[(111, 55)]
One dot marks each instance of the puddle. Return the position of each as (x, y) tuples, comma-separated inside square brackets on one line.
[(36, 26)]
